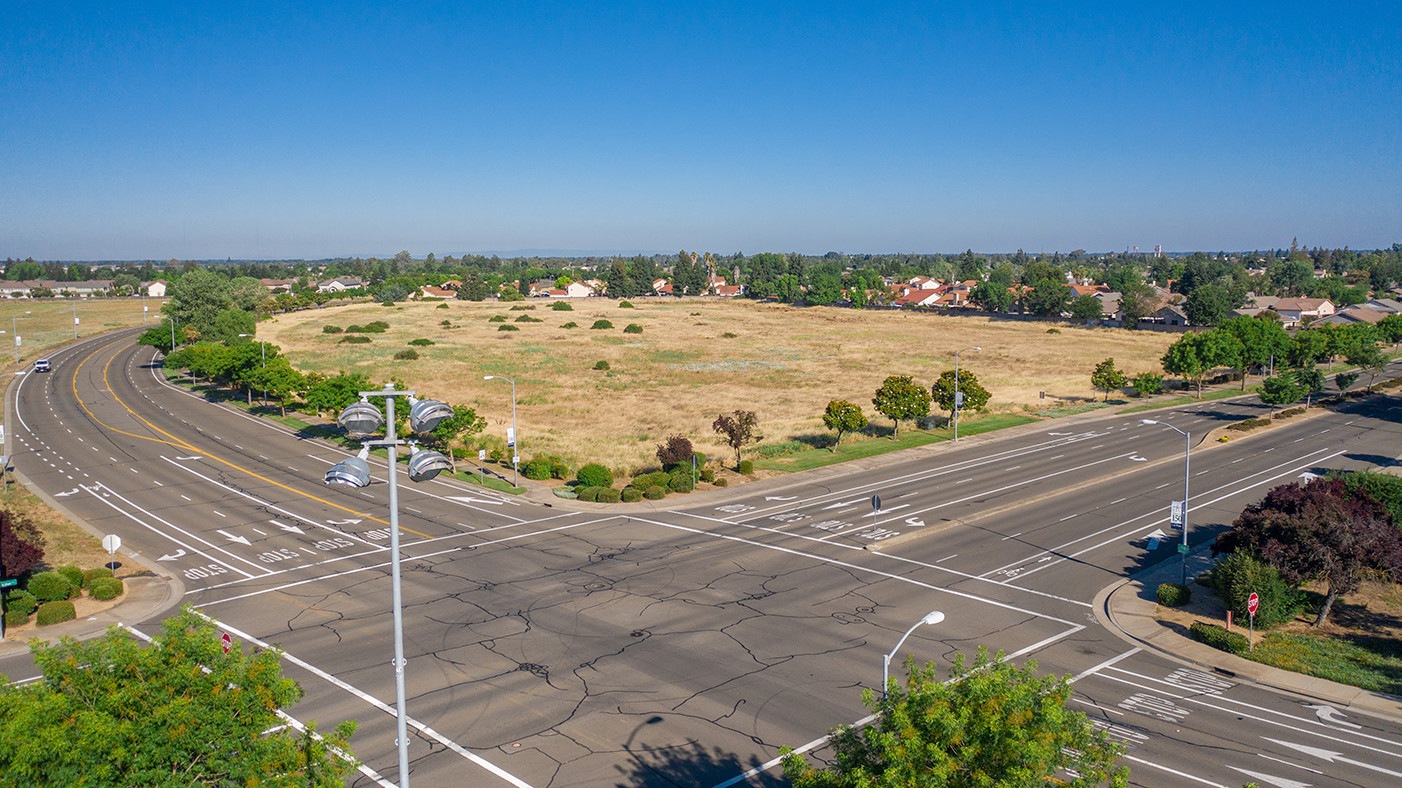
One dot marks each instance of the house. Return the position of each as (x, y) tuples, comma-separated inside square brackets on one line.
[(729, 291), (662, 287), (917, 298), (955, 296), (340, 284), (17, 289), (1110, 305), (924, 283), (1354, 314), (1294, 311), (154, 289), (1080, 290), (429, 291), (1171, 315), (94, 287), (1388, 305), (572, 290), (278, 285)]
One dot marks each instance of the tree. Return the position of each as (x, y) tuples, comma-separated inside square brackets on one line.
[(1208, 305), (1147, 383), (113, 711), (1262, 342), (899, 398), (1367, 357), (1391, 328), (1280, 390), (676, 451), (975, 395), (279, 379), (1087, 307), (1310, 381), (1137, 301), (21, 544), (738, 429), (464, 421), (157, 337), (991, 724), (843, 416), (249, 294), (196, 298), (1193, 355), (228, 324), (1107, 378), (1319, 531), (992, 297), (1309, 347), (1049, 297), (333, 394), (1345, 379)]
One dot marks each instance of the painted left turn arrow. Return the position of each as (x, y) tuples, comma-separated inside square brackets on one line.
[(232, 538), (172, 556)]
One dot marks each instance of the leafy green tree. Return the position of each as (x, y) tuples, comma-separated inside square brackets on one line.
[(1147, 383), (1308, 347), (1345, 379), (843, 416), (1049, 297), (1280, 390), (975, 395), (1310, 381), (1208, 305), (991, 724), (158, 337), (1262, 340), (825, 287), (738, 429), (1369, 358), (1195, 354), (26, 269), (463, 422), (1107, 378), (1087, 307), (279, 379), (114, 711), (992, 297), (333, 394), (1137, 301), (901, 399), (250, 295), (1390, 328), (229, 323), (197, 298)]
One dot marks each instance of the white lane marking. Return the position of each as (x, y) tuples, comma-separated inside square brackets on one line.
[(1331, 756), (1107, 663), (1288, 763), (159, 532), (1173, 771), (1010, 536)]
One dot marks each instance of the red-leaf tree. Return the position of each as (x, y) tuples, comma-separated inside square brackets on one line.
[(1319, 531), (21, 544)]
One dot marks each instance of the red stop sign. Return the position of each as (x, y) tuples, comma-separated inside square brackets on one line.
[(1252, 602), (229, 642)]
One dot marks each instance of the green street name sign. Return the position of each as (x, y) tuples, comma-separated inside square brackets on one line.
[(9, 583), (1182, 548)]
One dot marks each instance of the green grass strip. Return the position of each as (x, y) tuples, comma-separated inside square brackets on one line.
[(1181, 401), (1378, 669), (871, 447)]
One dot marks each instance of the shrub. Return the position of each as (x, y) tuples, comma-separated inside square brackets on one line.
[(442, 306), (93, 574), (496, 454), (595, 475), (632, 328), (632, 495), (528, 319), (20, 601), (421, 342), (747, 467), (1174, 595), (522, 308), (645, 480), (565, 492), (406, 355), (537, 468), (730, 335), (625, 305), (446, 323), (14, 618), (609, 495), (601, 364), (680, 482), (55, 612), (497, 319), (330, 329), (1240, 573), (1053, 331), (1219, 638), (590, 494), (1147, 383), (73, 574), (507, 327), (354, 341), (377, 327), (49, 587), (708, 475), (601, 324), (105, 588), (1249, 424), (675, 451), (1285, 414), (570, 324), (561, 306), (655, 493), (721, 482)]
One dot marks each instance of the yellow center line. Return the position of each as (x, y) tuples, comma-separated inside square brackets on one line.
[(180, 444)]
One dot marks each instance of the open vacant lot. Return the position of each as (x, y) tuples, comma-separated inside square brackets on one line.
[(694, 359), (49, 322)]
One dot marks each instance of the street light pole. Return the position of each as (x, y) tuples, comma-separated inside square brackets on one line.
[(932, 617), (14, 326), (75, 317), (1187, 458), (515, 436), (172, 331), (957, 403)]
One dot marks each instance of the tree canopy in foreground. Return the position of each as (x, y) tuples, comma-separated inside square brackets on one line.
[(116, 712), (991, 724)]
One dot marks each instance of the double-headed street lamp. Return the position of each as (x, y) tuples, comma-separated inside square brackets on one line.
[(1187, 454), (362, 418), (933, 617), (958, 398), (513, 437)]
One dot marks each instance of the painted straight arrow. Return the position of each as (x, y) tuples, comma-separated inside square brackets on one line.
[(844, 503), (232, 538), (1331, 756), (780, 497), (292, 529), (470, 499)]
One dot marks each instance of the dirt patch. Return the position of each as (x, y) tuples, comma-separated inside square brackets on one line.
[(1373, 613)]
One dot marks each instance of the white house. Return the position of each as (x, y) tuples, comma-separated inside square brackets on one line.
[(339, 284), (155, 289)]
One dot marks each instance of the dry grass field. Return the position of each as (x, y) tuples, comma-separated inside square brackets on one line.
[(693, 360), (50, 322)]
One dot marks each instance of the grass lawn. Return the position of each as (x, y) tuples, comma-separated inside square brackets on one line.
[(1369, 663), (46, 323), (870, 447), (1207, 395)]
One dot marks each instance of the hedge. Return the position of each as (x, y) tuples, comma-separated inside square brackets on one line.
[(590, 494), (1239, 574), (73, 574), (20, 602), (609, 495), (646, 480), (105, 588), (721, 482), (594, 475), (655, 493), (1173, 595), (1249, 424), (1219, 638), (537, 468), (680, 482), (55, 612), (14, 618), (49, 587), (92, 574), (632, 495)]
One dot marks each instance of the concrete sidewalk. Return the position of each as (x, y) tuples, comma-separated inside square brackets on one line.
[(147, 595), (1129, 609)]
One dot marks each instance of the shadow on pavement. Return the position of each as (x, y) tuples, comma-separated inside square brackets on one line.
[(690, 765)]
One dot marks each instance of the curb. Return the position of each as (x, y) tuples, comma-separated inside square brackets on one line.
[(1128, 609)]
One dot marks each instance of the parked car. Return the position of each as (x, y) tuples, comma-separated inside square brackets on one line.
[(42, 365)]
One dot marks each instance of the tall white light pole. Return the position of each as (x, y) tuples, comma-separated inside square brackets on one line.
[(932, 617), (75, 317), (1187, 454), (515, 437), (957, 399), (172, 331), (14, 326)]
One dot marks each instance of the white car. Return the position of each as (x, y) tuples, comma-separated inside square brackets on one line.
[(42, 365)]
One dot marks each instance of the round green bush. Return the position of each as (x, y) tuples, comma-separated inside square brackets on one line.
[(356, 340), (330, 329), (747, 467), (537, 468), (632, 495), (559, 469), (594, 475), (442, 306), (601, 364), (421, 342), (507, 327), (708, 475), (528, 319), (105, 588), (655, 493), (625, 305), (49, 587), (570, 324), (90, 574), (1053, 331), (406, 355), (609, 495), (376, 327), (561, 306), (721, 482), (680, 483), (590, 494), (55, 612), (20, 601), (73, 574), (600, 324), (1239, 574), (656, 479), (632, 328), (14, 618), (1173, 595), (497, 319)]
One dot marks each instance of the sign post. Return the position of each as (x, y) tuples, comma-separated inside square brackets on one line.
[(1175, 514), (227, 641), (1252, 602), (482, 466), (112, 543), (875, 508)]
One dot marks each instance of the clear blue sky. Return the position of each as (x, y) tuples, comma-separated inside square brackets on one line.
[(258, 130)]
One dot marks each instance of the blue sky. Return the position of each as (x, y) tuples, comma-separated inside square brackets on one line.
[(261, 130)]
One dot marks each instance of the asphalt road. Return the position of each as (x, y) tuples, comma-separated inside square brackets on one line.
[(550, 647)]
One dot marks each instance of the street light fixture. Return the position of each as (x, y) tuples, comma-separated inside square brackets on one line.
[(958, 398), (933, 617), (14, 326), (362, 418), (1187, 456), (512, 438)]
